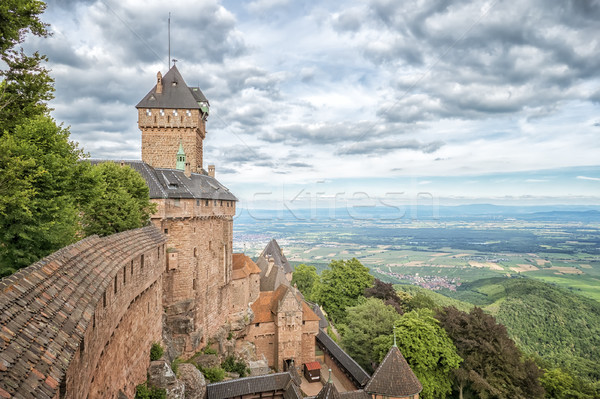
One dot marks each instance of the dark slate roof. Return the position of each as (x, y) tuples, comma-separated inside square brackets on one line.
[(323, 323), (273, 250), (46, 308), (394, 377), (328, 392), (272, 280), (293, 392), (172, 183), (178, 95), (357, 372), (359, 394), (250, 385)]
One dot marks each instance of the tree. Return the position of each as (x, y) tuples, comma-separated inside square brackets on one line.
[(305, 277), (341, 287), (428, 350), (26, 84), (387, 293), (493, 366), (121, 201), (367, 321), (38, 212)]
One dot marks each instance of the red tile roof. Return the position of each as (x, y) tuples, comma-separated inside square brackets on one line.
[(243, 266), (312, 366), (265, 307)]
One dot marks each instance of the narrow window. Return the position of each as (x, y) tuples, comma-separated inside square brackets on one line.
[(197, 202), (214, 202), (205, 202), (94, 320), (194, 284), (142, 261), (132, 267), (195, 253), (158, 252), (104, 298), (168, 118), (221, 203), (124, 275), (166, 231), (154, 118), (81, 346), (116, 281)]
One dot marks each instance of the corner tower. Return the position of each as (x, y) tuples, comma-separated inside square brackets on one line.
[(170, 114)]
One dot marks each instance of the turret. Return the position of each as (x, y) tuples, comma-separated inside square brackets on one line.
[(172, 115)]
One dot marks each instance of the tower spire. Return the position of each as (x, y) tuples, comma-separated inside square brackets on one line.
[(395, 336), (180, 165)]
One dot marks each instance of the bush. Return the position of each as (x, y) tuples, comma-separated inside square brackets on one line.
[(213, 374), (143, 392), (209, 351), (156, 351), (235, 366)]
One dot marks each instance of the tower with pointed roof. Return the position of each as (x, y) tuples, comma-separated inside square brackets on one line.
[(394, 379), (170, 114)]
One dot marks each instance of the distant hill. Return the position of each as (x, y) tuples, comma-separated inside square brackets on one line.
[(561, 327), (438, 299)]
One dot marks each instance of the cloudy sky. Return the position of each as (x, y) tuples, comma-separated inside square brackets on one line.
[(495, 101)]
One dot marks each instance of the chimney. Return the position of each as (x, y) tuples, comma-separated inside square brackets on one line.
[(188, 170), (211, 170), (159, 85)]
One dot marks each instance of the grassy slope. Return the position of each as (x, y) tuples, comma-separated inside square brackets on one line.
[(561, 327)]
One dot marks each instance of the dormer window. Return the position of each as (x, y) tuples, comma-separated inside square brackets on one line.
[(162, 112), (148, 112), (174, 83)]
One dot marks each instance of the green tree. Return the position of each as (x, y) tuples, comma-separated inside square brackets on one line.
[(367, 321), (305, 277), (38, 171), (19, 17), (26, 85), (428, 350), (341, 286), (121, 201), (493, 366)]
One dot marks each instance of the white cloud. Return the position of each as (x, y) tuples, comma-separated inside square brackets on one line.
[(588, 178)]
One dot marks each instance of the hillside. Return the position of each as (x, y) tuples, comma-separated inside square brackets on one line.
[(561, 327), (438, 299)]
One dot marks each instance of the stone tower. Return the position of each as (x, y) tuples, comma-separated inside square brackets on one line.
[(170, 114)]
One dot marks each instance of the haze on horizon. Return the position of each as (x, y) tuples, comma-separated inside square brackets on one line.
[(467, 101)]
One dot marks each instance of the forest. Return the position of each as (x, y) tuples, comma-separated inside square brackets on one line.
[(496, 338)]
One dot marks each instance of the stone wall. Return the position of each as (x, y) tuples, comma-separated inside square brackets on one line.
[(197, 293), (84, 325)]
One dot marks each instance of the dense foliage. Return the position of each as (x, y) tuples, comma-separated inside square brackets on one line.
[(492, 366), (48, 197), (561, 327), (427, 349), (388, 294), (39, 172), (341, 287), (368, 320), (307, 280), (120, 202), (233, 365)]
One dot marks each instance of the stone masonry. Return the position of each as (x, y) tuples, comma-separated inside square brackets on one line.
[(69, 321)]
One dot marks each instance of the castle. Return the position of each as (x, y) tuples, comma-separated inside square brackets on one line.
[(80, 323)]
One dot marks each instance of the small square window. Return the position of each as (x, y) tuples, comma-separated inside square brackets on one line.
[(257, 325), (205, 202), (148, 112), (162, 112)]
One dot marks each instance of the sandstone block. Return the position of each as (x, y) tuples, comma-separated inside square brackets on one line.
[(195, 384)]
